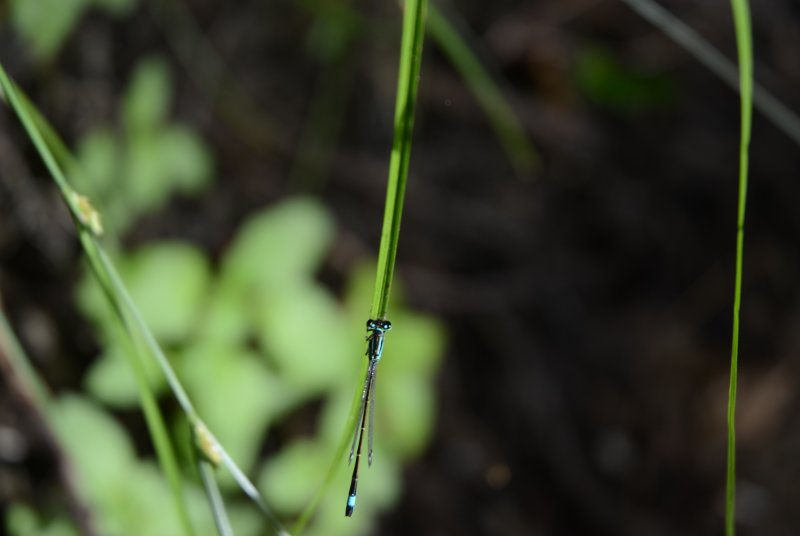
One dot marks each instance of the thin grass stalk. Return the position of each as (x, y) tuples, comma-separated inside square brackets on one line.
[(765, 102), (23, 379), (88, 226), (501, 116), (407, 83), (744, 45), (85, 219)]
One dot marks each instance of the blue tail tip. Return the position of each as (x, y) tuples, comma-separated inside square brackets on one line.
[(351, 505)]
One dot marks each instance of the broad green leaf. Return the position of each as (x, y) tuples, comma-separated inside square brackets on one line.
[(406, 408), (236, 395), (414, 346), (146, 185), (279, 246), (112, 381), (98, 154), (147, 98), (225, 318), (100, 449), (186, 164), (140, 504), (606, 81), (303, 332), (290, 477), (169, 282), (45, 24), (21, 520)]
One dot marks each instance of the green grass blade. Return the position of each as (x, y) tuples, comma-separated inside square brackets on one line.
[(744, 45), (766, 103), (21, 366), (82, 214), (214, 496), (507, 128), (131, 322), (407, 84), (414, 13)]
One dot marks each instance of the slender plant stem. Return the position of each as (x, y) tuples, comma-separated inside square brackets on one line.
[(501, 116), (140, 337), (741, 16), (86, 231), (765, 102), (407, 84)]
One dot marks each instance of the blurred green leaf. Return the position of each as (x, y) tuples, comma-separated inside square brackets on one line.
[(151, 159), (225, 318), (23, 521), (279, 247), (290, 477), (418, 348), (126, 496), (146, 100), (145, 187), (605, 80), (303, 332), (99, 448), (334, 28), (111, 380), (236, 395), (169, 282), (98, 154), (406, 406), (46, 23), (185, 161)]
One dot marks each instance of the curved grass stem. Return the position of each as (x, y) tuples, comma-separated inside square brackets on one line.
[(741, 16)]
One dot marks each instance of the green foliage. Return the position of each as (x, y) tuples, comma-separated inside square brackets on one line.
[(606, 81), (45, 24), (24, 521), (126, 495), (335, 26), (744, 42), (136, 169), (123, 491), (308, 346)]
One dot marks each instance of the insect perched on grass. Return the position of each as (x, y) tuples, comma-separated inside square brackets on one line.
[(376, 330)]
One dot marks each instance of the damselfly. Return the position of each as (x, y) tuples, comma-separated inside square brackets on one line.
[(376, 330)]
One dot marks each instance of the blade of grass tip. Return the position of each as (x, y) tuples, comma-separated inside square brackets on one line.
[(766, 103), (744, 45), (502, 118), (88, 226), (407, 85)]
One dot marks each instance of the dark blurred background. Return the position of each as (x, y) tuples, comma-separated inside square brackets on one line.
[(586, 295)]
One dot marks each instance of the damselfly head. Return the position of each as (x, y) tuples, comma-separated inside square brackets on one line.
[(378, 325)]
